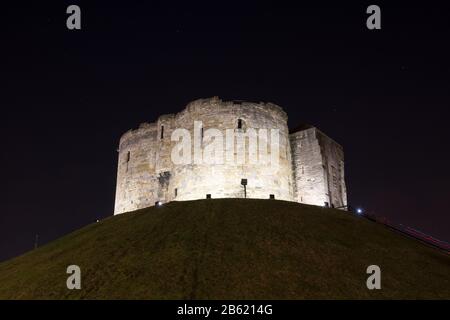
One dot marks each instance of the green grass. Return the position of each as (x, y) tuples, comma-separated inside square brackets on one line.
[(230, 249)]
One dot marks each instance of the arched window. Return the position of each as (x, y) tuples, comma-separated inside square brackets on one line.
[(239, 124)]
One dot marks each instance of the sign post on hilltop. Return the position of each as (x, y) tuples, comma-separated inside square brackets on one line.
[(244, 183)]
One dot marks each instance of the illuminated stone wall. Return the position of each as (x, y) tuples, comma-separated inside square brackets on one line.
[(318, 168), (147, 174)]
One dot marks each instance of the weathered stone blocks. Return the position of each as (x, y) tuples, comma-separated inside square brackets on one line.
[(310, 165)]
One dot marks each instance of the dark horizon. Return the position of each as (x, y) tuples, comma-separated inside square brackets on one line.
[(68, 96)]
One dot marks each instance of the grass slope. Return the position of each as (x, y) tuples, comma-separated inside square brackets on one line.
[(229, 249)]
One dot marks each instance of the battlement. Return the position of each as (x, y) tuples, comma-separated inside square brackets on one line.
[(218, 104), (305, 129), (206, 106)]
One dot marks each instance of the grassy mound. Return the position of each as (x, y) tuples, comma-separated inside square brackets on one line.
[(230, 249)]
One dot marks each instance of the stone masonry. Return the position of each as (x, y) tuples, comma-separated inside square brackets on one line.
[(310, 165)]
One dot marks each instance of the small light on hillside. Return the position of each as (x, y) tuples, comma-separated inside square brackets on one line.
[(359, 211)]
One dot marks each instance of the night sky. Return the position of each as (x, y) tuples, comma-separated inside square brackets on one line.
[(67, 97)]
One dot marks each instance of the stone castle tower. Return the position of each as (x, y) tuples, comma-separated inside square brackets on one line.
[(310, 166)]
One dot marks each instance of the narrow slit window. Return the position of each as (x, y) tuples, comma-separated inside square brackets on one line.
[(162, 132), (176, 192), (128, 160)]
